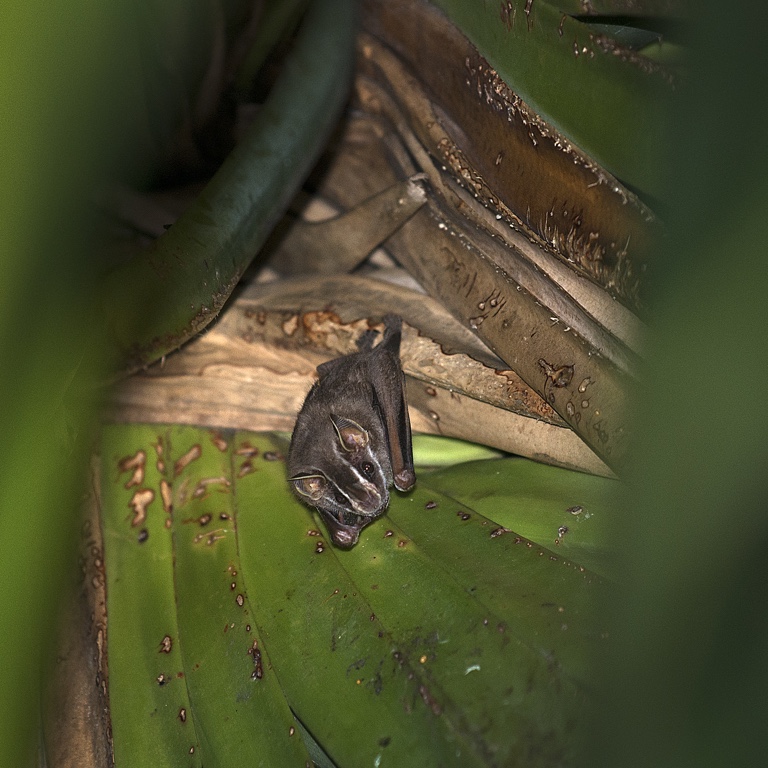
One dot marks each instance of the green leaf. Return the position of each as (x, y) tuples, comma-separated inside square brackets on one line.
[(238, 707), (149, 701), (189, 677), (441, 639), (434, 451), (568, 512)]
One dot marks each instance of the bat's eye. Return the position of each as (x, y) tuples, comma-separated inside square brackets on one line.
[(367, 469)]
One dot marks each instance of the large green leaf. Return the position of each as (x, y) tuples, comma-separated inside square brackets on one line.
[(568, 512), (145, 661), (442, 639), (185, 659)]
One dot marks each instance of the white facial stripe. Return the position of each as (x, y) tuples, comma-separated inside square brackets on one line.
[(366, 484)]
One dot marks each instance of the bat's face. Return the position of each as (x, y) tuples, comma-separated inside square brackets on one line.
[(349, 484)]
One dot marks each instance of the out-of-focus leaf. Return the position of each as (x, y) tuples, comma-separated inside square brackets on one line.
[(689, 672), (58, 107), (199, 260)]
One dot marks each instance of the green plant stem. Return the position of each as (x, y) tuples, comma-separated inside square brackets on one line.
[(191, 270)]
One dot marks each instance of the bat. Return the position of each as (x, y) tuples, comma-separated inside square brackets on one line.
[(352, 438)]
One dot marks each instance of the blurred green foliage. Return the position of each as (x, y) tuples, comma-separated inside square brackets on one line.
[(687, 683), (56, 63)]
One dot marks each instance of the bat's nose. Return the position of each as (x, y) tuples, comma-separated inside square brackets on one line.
[(365, 498)]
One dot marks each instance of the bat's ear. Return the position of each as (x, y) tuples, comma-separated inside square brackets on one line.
[(351, 435), (311, 486)]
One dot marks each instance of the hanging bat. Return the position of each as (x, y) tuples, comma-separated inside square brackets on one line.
[(352, 438)]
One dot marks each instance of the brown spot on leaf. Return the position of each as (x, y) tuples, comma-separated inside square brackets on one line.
[(139, 503), (254, 651), (201, 489), (429, 700), (219, 441), (134, 464), (193, 454), (209, 538), (166, 496), (560, 376)]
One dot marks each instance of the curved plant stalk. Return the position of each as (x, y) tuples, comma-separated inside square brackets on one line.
[(454, 265), (506, 155), (580, 304), (189, 272), (339, 244), (278, 17), (609, 102)]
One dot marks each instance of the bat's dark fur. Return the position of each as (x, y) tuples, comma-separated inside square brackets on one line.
[(352, 438)]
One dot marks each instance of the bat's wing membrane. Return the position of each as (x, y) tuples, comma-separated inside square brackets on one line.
[(389, 389)]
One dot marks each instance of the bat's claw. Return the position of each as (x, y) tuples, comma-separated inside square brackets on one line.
[(405, 479)]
